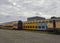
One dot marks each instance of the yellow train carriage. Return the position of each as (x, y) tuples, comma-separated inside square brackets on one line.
[(57, 25), (47, 23), (1, 26), (50, 25), (29, 25), (15, 25), (7, 26), (41, 25)]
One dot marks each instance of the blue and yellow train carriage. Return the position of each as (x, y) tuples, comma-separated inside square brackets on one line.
[(46, 24), (41, 25), (7, 25), (15, 25)]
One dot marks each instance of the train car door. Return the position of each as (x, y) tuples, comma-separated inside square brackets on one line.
[(19, 25)]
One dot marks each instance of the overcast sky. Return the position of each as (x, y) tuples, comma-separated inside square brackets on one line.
[(21, 9)]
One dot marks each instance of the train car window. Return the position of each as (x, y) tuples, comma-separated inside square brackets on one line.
[(57, 20), (50, 21), (46, 21), (15, 24), (39, 21), (43, 27), (30, 26), (36, 26), (26, 26), (39, 26), (25, 23), (33, 26), (8, 26), (43, 21)]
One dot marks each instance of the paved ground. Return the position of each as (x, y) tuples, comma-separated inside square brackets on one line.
[(12, 36)]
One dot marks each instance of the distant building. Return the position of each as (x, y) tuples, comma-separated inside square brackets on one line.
[(55, 17), (35, 18)]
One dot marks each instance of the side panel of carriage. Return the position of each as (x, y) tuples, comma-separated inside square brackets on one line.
[(57, 25), (41, 26), (50, 25), (29, 25), (7, 26), (17, 25)]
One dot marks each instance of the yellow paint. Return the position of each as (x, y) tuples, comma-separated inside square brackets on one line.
[(57, 24), (16, 22), (29, 25), (15, 27), (50, 25)]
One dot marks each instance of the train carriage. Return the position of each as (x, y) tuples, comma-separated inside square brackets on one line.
[(47, 24), (54, 25), (15, 25), (50, 25), (7, 25), (57, 24), (29, 25), (41, 25), (1, 26)]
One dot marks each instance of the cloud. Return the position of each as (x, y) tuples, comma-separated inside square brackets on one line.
[(28, 8), (8, 18)]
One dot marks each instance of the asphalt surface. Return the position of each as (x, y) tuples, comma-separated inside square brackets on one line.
[(12, 36)]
